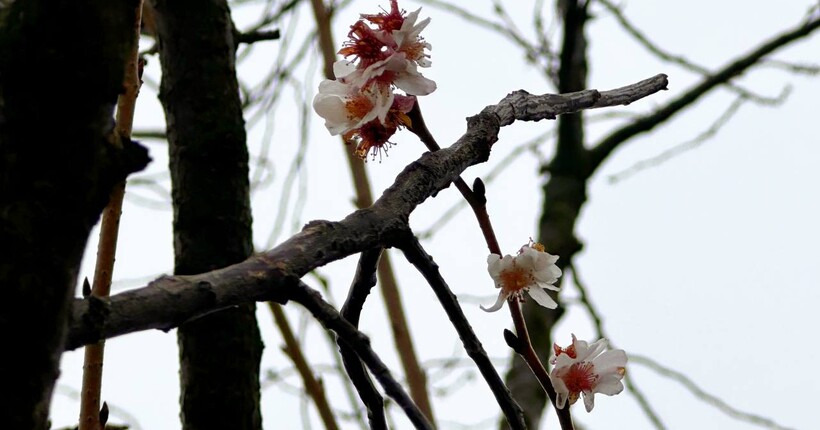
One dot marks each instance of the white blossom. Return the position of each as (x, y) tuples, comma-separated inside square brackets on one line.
[(531, 271)]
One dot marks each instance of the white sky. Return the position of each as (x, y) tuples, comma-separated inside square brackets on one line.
[(706, 264)]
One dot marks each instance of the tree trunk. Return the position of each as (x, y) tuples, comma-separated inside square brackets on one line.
[(59, 81), (219, 353)]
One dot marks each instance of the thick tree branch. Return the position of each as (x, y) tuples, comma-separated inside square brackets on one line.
[(169, 301), (599, 153)]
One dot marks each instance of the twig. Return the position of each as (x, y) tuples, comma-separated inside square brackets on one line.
[(682, 147), (677, 59), (602, 150), (91, 416), (313, 386), (599, 328), (332, 320), (705, 397), (419, 258), (363, 282)]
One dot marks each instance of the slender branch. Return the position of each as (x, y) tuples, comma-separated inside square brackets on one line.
[(417, 256), (363, 283), (647, 409), (313, 386), (705, 397), (332, 320), (91, 416), (602, 150), (682, 147), (677, 59)]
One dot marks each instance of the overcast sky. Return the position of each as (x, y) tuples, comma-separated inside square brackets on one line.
[(706, 263)]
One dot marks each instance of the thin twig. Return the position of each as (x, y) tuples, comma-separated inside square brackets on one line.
[(682, 147), (419, 258), (705, 397), (90, 412), (650, 46), (647, 409), (363, 283), (332, 320), (602, 150), (313, 386)]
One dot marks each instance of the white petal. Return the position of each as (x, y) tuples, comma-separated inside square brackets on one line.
[(610, 361), (332, 109), (415, 84), (561, 391), (542, 298), (343, 68), (589, 400), (547, 285), (609, 384), (498, 303)]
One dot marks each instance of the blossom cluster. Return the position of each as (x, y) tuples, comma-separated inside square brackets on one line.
[(584, 368), (532, 270), (384, 52)]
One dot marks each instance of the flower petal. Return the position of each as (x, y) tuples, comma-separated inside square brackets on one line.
[(542, 298), (589, 400), (502, 297), (609, 384)]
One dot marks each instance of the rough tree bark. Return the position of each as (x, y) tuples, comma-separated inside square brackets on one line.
[(57, 168), (219, 353)]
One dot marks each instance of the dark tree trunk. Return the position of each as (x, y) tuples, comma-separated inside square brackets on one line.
[(564, 195), (59, 81), (219, 353)]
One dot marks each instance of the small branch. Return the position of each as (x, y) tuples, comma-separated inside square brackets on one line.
[(676, 59), (363, 283), (602, 150), (417, 256), (313, 386), (682, 147), (332, 320), (256, 36), (92, 417), (599, 328), (523, 347), (705, 397)]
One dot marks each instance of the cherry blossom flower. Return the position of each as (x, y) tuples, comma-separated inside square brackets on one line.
[(583, 368), (531, 271), (345, 107), (385, 54), (373, 136)]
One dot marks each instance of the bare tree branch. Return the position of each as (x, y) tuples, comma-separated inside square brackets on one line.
[(610, 143), (363, 282), (429, 269), (705, 397)]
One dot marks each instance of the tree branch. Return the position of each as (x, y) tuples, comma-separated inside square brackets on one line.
[(363, 282), (169, 301), (427, 267), (330, 318), (599, 153)]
